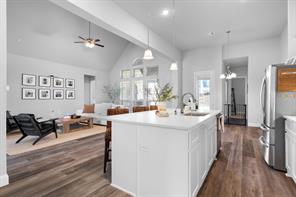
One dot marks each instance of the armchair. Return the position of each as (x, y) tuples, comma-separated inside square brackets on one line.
[(29, 126)]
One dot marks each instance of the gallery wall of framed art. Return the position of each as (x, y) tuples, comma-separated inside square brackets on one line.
[(47, 88)]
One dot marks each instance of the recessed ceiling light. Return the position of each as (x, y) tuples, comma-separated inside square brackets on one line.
[(165, 12), (211, 34)]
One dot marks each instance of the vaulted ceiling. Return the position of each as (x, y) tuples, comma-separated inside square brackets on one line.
[(43, 30), (194, 19)]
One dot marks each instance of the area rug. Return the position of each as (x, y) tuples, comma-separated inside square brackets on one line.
[(26, 144)]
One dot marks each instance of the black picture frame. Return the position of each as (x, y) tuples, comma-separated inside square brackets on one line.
[(55, 91), (67, 95), (67, 83), (44, 98), (24, 83), (55, 85), (41, 79), (25, 94)]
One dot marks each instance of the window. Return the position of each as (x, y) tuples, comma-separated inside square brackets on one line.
[(151, 93), (125, 74), (204, 89), (138, 72), (125, 92), (139, 88), (204, 93)]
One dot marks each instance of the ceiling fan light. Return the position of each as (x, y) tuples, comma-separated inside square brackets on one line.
[(148, 55), (174, 66)]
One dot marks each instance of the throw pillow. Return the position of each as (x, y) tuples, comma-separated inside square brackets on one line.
[(89, 108)]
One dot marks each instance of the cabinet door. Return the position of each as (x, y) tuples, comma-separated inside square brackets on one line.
[(293, 156), (209, 148), (203, 152), (288, 152), (162, 153), (195, 176)]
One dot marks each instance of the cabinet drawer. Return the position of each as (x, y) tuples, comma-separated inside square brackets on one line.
[(290, 126)]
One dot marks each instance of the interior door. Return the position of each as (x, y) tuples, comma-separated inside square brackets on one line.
[(204, 89)]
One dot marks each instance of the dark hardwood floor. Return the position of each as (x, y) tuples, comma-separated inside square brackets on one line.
[(76, 169)]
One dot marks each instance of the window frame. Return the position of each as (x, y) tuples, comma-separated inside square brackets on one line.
[(132, 79)]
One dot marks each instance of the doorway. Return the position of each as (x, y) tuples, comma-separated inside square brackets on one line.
[(89, 89), (235, 92), (204, 89)]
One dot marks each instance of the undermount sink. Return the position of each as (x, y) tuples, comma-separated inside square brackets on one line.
[(196, 114)]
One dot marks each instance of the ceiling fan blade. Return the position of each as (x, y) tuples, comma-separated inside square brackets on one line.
[(79, 42), (97, 40), (81, 38), (99, 45)]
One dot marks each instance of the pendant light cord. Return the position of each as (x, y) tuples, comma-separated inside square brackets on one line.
[(148, 39), (174, 20), (88, 29)]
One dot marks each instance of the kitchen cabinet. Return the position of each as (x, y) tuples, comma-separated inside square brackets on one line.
[(290, 147)]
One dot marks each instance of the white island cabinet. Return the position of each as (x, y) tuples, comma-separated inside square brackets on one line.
[(290, 142), (162, 157)]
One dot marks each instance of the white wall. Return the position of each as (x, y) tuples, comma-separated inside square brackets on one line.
[(131, 53), (292, 28), (284, 44), (203, 59), (20, 64), (260, 54), (239, 90), (3, 76)]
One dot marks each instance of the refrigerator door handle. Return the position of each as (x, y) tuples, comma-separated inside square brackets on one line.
[(264, 128), (262, 142), (261, 94)]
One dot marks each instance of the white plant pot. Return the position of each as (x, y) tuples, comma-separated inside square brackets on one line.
[(162, 105)]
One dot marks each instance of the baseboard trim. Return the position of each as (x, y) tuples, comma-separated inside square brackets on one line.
[(124, 190), (253, 124), (4, 180)]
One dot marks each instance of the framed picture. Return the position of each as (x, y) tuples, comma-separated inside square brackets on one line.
[(58, 94), (44, 81), (28, 80), (28, 94), (70, 94), (70, 83), (44, 94), (58, 82)]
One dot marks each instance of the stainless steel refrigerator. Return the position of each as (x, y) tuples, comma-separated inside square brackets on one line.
[(274, 105)]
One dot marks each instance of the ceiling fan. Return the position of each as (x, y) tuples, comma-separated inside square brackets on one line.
[(89, 42)]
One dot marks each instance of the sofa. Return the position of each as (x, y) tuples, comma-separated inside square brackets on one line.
[(99, 112)]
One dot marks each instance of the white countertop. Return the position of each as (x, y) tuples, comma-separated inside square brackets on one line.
[(173, 121), (293, 118)]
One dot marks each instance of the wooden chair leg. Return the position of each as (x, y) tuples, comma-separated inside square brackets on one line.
[(106, 157)]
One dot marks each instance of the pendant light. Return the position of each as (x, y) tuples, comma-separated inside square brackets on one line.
[(228, 74), (148, 53), (174, 65)]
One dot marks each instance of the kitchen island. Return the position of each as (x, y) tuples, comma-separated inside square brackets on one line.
[(162, 156)]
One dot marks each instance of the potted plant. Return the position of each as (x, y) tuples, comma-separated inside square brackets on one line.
[(164, 95)]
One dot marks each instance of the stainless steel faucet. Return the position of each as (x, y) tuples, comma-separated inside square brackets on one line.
[(182, 102)]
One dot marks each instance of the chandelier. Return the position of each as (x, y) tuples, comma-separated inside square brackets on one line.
[(228, 74)]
